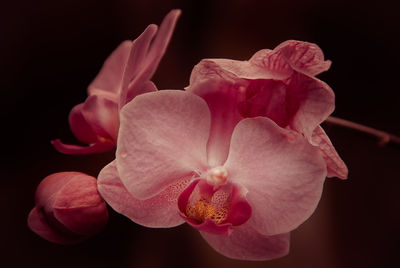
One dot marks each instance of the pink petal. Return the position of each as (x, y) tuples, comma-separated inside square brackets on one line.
[(144, 60), (137, 57), (94, 122), (163, 137), (160, 43), (266, 98), (102, 116), (146, 87), (309, 102), (278, 92), (304, 57), (336, 166), (76, 149), (233, 70), (222, 97), (291, 55), (245, 243), (160, 211), (110, 76), (80, 127), (282, 172), (37, 223)]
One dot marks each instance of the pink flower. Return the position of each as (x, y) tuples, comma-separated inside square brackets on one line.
[(244, 184), (278, 84), (68, 208), (124, 75)]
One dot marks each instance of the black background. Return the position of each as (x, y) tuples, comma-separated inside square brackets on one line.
[(51, 50)]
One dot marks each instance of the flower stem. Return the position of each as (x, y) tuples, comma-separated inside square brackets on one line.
[(384, 137)]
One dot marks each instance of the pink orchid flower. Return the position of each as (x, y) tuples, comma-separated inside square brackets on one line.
[(68, 208), (278, 84), (124, 75), (169, 170)]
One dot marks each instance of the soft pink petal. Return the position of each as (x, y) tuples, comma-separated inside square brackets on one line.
[(144, 59), (222, 97), (163, 137), (76, 149), (110, 76), (292, 55), (160, 211), (37, 223), (282, 172), (160, 44), (309, 102), (79, 207), (136, 60), (336, 166), (245, 243), (102, 116)]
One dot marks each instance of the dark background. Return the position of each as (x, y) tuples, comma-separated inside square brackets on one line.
[(51, 50)]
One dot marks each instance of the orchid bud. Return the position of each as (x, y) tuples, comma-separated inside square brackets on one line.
[(68, 208)]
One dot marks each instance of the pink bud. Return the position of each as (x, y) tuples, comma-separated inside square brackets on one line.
[(68, 208)]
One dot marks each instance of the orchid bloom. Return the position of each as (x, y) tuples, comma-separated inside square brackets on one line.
[(278, 84), (68, 208), (124, 75), (243, 184)]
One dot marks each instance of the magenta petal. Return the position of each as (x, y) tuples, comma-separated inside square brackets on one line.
[(80, 127), (336, 166), (163, 137), (245, 243), (282, 172), (76, 149), (37, 223), (266, 97), (222, 97), (240, 210), (160, 211), (94, 122), (110, 76)]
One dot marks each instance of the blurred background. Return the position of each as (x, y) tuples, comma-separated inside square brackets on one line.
[(51, 51)]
